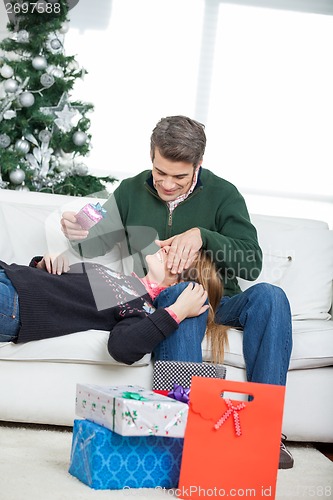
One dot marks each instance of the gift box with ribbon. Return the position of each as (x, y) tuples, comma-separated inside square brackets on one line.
[(104, 460), (131, 410), (173, 378), (90, 214)]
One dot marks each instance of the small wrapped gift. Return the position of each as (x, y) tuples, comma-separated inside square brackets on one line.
[(131, 410), (89, 215), (105, 460), (168, 373)]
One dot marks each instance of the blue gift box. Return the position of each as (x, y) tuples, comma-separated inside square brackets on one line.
[(105, 460)]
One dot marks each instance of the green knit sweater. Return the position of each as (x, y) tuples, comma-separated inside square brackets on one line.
[(137, 216)]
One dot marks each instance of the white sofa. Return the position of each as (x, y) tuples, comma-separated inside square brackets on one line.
[(38, 379)]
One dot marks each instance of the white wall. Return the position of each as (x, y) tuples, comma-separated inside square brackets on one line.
[(260, 79), (142, 64)]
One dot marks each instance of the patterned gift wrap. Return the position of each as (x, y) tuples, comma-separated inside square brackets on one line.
[(89, 215), (105, 460), (168, 373), (131, 410)]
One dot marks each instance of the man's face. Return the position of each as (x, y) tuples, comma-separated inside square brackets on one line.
[(171, 178)]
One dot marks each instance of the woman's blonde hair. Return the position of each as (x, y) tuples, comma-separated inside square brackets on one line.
[(204, 271)]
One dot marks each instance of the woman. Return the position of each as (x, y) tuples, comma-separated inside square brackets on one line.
[(48, 299)]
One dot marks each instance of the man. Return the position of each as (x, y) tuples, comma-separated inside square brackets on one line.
[(187, 207)]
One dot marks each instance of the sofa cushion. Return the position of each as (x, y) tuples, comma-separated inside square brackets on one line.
[(298, 257), (312, 345), (81, 347)]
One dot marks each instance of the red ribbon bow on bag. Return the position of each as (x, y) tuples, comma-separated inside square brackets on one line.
[(233, 410)]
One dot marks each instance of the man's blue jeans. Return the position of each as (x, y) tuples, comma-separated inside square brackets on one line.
[(9, 309), (263, 313), (184, 344)]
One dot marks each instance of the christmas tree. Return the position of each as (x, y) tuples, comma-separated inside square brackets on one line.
[(44, 136)]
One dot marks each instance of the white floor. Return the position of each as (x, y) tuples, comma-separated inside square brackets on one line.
[(34, 466)]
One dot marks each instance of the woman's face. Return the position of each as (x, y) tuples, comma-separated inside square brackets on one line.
[(157, 265)]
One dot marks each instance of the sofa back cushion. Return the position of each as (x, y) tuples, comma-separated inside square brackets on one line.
[(298, 257)]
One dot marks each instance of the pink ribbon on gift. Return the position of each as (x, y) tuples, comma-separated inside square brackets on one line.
[(233, 410)]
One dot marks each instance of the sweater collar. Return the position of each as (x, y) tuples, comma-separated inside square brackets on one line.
[(153, 289)]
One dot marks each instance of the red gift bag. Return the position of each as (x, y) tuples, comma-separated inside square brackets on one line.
[(231, 447)]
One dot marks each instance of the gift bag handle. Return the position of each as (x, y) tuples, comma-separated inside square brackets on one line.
[(205, 394)]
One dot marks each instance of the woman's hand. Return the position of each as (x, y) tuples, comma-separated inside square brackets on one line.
[(191, 302), (54, 265)]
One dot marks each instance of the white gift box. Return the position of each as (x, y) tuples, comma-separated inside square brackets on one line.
[(131, 410)]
